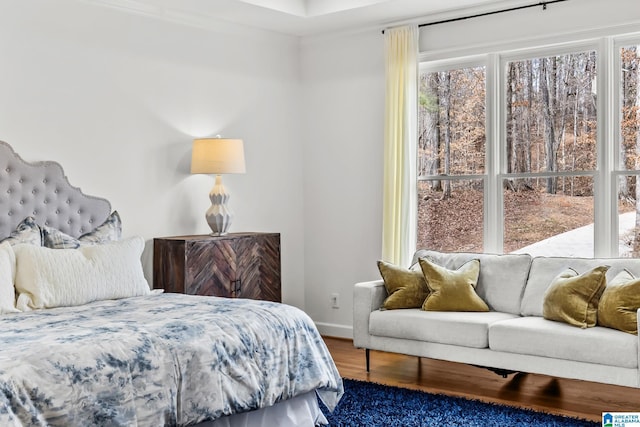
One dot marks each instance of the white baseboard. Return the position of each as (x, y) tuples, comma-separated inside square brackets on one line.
[(335, 330)]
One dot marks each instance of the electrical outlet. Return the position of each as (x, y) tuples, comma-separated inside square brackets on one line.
[(335, 300)]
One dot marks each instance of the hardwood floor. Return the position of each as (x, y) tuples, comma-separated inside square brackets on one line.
[(574, 398)]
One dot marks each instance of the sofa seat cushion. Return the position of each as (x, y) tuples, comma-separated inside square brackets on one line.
[(468, 329), (537, 336)]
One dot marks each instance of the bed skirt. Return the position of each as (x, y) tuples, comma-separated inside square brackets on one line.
[(300, 411)]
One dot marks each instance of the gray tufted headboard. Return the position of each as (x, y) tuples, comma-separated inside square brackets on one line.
[(42, 190)]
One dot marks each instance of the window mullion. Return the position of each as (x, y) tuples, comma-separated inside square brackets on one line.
[(493, 214), (605, 188)]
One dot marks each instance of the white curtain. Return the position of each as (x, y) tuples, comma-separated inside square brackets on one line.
[(400, 133)]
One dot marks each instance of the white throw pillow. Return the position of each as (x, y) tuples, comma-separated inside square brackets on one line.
[(47, 278), (7, 277)]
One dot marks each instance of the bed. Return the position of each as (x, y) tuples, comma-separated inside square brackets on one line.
[(84, 341)]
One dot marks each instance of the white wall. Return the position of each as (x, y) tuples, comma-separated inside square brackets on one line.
[(117, 98), (343, 94), (343, 86)]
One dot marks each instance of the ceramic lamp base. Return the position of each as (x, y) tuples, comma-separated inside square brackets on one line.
[(219, 216)]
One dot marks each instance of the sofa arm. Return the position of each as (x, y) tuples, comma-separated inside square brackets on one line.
[(367, 297)]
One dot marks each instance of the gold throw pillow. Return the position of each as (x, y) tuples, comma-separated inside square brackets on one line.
[(452, 290), (406, 288), (618, 306), (573, 298)]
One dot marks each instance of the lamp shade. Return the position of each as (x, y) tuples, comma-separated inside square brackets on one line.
[(217, 156)]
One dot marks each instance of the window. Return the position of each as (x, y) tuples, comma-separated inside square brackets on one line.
[(551, 123), (451, 158), (522, 162)]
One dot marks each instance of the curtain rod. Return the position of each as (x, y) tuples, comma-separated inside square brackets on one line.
[(542, 4)]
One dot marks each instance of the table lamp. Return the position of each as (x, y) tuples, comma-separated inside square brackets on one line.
[(218, 156)]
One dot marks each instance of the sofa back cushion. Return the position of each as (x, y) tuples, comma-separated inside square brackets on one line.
[(545, 269), (502, 277)]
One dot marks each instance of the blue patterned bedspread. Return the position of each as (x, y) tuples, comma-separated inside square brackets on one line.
[(167, 359)]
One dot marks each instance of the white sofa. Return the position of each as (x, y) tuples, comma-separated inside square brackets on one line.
[(513, 336)]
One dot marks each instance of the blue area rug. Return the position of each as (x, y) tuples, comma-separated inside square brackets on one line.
[(369, 404)]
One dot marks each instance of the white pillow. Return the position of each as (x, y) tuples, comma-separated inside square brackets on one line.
[(7, 277), (47, 278)]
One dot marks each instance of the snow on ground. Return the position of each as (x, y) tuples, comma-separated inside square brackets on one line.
[(577, 242)]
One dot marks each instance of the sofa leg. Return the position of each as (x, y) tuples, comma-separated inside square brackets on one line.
[(366, 355)]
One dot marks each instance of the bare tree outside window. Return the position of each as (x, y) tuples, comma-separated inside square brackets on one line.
[(551, 127), (451, 142), (548, 161), (628, 188)]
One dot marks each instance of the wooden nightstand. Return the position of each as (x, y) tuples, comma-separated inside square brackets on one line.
[(237, 265)]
